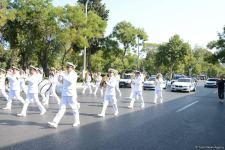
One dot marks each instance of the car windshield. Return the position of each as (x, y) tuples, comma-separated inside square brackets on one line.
[(184, 80), (177, 77), (127, 77), (212, 79), (151, 79)]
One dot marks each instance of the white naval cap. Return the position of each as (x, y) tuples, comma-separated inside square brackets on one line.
[(70, 64), (32, 67), (2, 70), (13, 67)]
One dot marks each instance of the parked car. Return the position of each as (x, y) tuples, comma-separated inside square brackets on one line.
[(184, 84), (125, 81), (150, 83), (211, 82)]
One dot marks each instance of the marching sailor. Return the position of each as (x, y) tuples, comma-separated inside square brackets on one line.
[(98, 80), (14, 87), (110, 94), (69, 96), (32, 93), (23, 77), (52, 91), (158, 88), (2, 83), (137, 89), (87, 83), (117, 84)]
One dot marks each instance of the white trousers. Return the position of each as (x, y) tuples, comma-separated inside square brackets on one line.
[(158, 95), (87, 85), (97, 86), (12, 94), (109, 99), (135, 96), (53, 94), (30, 98), (118, 88), (65, 101), (4, 94)]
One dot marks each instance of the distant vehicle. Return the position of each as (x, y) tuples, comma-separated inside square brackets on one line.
[(150, 83), (125, 81), (211, 82), (184, 84), (175, 78)]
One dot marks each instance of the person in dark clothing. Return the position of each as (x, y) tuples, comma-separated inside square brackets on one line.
[(220, 85)]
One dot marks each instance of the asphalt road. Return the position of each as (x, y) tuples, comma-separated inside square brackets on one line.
[(185, 121)]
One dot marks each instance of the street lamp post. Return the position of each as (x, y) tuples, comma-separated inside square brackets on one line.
[(85, 49)]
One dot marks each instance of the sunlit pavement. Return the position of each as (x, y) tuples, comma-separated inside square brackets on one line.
[(183, 121)]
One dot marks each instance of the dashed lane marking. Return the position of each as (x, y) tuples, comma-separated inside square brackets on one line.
[(185, 107)]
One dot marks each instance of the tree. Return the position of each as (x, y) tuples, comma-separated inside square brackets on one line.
[(126, 34), (219, 45), (95, 43), (173, 53)]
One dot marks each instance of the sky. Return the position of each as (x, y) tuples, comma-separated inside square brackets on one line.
[(196, 21)]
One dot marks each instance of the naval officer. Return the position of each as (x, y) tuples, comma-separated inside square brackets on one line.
[(32, 93), (2, 83), (69, 96), (110, 94), (14, 87), (137, 89)]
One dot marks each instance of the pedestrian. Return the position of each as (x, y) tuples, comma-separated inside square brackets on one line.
[(69, 96), (14, 87), (110, 94), (2, 83), (32, 93), (51, 92), (137, 84), (87, 83), (220, 85), (98, 79), (158, 88)]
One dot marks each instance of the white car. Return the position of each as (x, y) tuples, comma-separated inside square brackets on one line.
[(125, 81), (211, 82), (184, 84), (150, 83)]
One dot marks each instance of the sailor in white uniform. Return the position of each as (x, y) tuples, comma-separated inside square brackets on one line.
[(98, 80), (118, 81), (23, 77), (137, 90), (53, 79), (14, 87), (69, 96), (110, 94), (158, 88), (2, 83), (32, 93), (87, 83)]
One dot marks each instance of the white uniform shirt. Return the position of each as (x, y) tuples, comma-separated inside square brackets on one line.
[(69, 84), (138, 83), (14, 82), (158, 84), (33, 83), (53, 80), (88, 79), (98, 79), (2, 82), (111, 85)]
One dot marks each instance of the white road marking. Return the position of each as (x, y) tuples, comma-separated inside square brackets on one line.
[(185, 107)]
